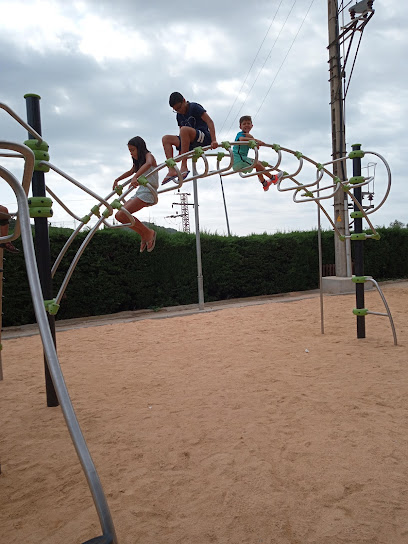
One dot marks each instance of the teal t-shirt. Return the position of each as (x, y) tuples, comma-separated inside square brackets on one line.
[(240, 152)]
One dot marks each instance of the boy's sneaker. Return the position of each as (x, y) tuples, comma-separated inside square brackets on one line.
[(277, 177), (8, 246), (267, 184)]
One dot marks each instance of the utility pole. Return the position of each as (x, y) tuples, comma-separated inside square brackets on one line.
[(338, 134), (360, 14)]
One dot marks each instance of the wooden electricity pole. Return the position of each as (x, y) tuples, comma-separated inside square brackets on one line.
[(338, 134)]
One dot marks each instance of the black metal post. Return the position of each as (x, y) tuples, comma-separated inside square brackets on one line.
[(358, 247), (41, 240)]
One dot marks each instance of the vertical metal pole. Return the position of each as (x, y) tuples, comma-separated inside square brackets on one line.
[(338, 133), (225, 206), (42, 241), (358, 247), (198, 246)]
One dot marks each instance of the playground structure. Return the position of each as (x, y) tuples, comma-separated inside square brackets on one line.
[(318, 189)]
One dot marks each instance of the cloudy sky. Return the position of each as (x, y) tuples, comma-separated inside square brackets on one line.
[(104, 70)]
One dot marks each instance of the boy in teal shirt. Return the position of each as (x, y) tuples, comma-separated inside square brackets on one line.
[(240, 153)]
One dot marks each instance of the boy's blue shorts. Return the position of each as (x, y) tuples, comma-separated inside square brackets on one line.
[(202, 139), (246, 165)]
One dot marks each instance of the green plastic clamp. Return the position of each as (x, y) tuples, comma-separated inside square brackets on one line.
[(359, 279), (308, 193), (276, 147), (226, 145), (346, 188), (40, 201), (142, 181), (360, 311), (265, 163), (252, 144), (85, 219), (298, 154), (319, 166), (41, 212), (198, 152), (336, 180), (96, 211), (51, 306), (119, 189), (107, 213), (117, 204), (358, 236), (171, 163), (40, 154), (356, 179), (376, 237), (1, 347), (357, 215), (220, 156), (342, 238), (357, 154)]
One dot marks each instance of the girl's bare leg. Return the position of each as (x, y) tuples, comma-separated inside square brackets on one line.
[(133, 206)]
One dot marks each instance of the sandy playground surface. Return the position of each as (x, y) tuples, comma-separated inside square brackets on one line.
[(243, 425)]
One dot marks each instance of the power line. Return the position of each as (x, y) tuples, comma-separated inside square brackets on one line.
[(253, 62), (286, 56), (262, 67)]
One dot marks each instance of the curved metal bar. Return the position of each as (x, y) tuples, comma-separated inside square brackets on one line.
[(77, 183), (389, 181), (75, 260), (386, 308), (74, 429), (28, 170), (22, 123)]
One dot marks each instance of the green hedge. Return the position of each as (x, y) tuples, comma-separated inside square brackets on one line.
[(112, 275)]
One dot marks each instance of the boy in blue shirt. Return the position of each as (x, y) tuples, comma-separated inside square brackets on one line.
[(240, 153), (196, 129)]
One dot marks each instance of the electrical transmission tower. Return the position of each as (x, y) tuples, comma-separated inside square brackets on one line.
[(185, 214)]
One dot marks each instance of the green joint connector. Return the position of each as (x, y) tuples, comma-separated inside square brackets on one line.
[(39, 201), (359, 279), (198, 152), (336, 180), (142, 181), (226, 145), (360, 311), (265, 163), (308, 193), (252, 144), (96, 211), (298, 155), (37, 145), (51, 306), (276, 147), (376, 237), (357, 215), (1, 347), (107, 213), (119, 189), (357, 154), (41, 212), (220, 156), (359, 236), (171, 163), (319, 166), (117, 204), (39, 167), (356, 179), (85, 219), (285, 173), (346, 188), (342, 238)]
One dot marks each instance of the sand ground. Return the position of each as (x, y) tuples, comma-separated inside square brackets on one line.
[(244, 425)]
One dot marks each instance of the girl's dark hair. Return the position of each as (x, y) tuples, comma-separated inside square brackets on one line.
[(142, 151)]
